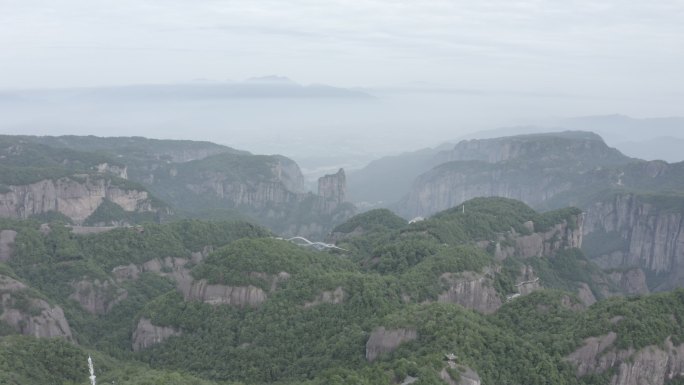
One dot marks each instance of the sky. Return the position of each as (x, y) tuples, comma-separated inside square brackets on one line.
[(439, 68), (597, 48)]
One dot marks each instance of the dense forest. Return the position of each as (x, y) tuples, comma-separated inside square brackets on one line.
[(228, 302)]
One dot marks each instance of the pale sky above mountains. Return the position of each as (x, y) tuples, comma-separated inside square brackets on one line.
[(438, 69), (614, 48)]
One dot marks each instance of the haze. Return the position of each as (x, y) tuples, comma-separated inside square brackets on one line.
[(433, 71)]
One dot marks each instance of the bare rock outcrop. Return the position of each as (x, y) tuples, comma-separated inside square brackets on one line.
[(202, 290), (120, 171), (467, 376), (652, 365), (645, 234), (528, 281), (331, 296), (564, 235), (28, 315), (75, 197), (630, 282), (6, 243), (585, 294), (240, 296), (382, 341), (147, 334), (97, 297), (470, 290)]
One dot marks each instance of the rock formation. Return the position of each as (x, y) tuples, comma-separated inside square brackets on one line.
[(97, 297), (75, 197), (630, 282), (535, 169), (30, 315), (564, 235), (636, 232), (201, 290), (384, 341), (6, 243), (470, 290), (333, 187), (239, 296), (654, 365), (120, 171), (147, 334)]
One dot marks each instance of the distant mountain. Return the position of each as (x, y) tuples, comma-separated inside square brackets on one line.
[(645, 138), (386, 180), (256, 88), (634, 208), (113, 181)]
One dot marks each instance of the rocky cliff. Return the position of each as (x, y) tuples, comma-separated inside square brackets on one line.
[(561, 236), (627, 231), (97, 297), (653, 365), (332, 192), (382, 341), (192, 289), (470, 290), (147, 334), (7, 238), (76, 197), (545, 171), (28, 314)]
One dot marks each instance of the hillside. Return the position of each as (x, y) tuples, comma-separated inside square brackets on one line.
[(113, 181), (501, 287)]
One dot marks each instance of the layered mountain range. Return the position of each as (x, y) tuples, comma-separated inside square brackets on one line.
[(115, 181), (105, 250), (633, 207), (477, 297)]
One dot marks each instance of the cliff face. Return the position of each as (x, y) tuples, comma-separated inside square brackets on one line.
[(654, 365), (382, 341), (147, 334), (120, 171), (565, 235), (76, 197), (29, 315), (97, 297), (543, 171), (628, 231), (199, 290), (451, 184), (333, 187), (470, 290), (6, 243)]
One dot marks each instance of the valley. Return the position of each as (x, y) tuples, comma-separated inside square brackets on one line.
[(533, 259)]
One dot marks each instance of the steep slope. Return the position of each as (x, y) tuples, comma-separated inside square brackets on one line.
[(544, 170), (80, 187), (431, 301), (633, 207), (197, 179), (645, 232)]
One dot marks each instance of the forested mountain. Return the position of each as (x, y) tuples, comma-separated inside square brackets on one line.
[(90, 180), (496, 294)]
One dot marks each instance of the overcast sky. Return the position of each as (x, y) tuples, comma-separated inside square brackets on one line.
[(617, 48), (440, 69)]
